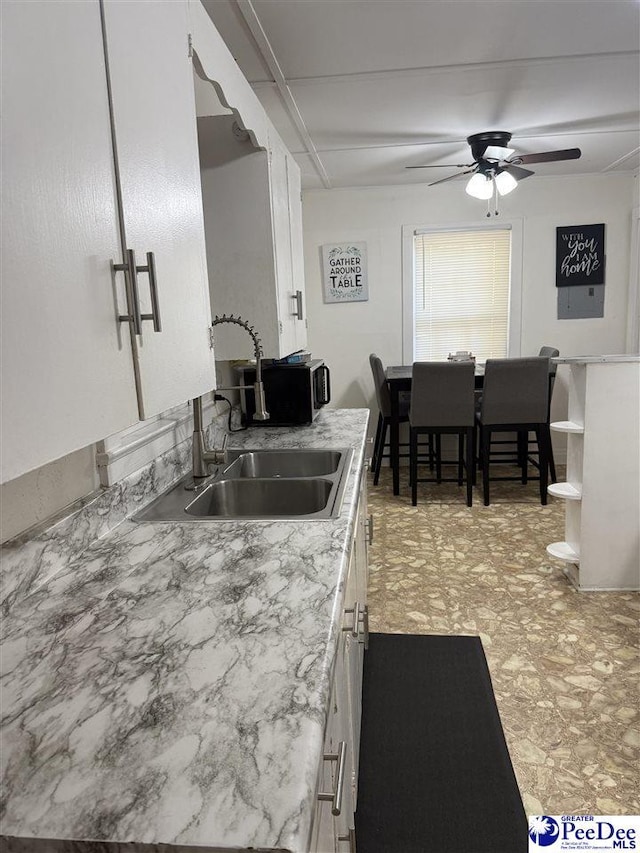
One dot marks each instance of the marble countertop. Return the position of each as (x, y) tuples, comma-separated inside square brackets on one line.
[(168, 683)]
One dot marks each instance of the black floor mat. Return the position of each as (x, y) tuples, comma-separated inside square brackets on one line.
[(435, 773)]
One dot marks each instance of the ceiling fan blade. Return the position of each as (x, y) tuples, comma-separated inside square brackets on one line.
[(517, 172), (451, 177), (548, 156), (443, 166)]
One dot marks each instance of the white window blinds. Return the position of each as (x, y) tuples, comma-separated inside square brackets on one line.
[(461, 293)]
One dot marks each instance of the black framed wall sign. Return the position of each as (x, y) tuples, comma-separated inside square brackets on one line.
[(580, 257)]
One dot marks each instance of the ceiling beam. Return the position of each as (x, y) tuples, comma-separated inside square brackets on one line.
[(266, 51), (622, 160), (385, 74)]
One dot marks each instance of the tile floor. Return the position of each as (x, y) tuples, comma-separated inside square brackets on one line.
[(564, 664)]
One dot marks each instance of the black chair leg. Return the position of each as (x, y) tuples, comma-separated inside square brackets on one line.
[(376, 444), (383, 435), (413, 465), (460, 457), (543, 438), (438, 458), (470, 464), (552, 464), (485, 438), (523, 444), (474, 454)]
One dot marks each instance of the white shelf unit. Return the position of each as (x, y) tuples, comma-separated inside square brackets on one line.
[(602, 520), (568, 427), (565, 491), (563, 551)]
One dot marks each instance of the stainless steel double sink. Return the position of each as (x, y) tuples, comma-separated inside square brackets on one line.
[(292, 484)]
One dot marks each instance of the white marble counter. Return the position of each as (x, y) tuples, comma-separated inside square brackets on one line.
[(167, 683)]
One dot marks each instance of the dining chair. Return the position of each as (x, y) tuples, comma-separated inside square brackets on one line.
[(442, 401), (515, 398), (384, 417), (533, 451), (524, 448)]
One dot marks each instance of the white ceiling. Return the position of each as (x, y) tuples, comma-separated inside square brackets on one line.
[(360, 89)]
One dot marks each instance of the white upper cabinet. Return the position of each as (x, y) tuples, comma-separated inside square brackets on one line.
[(287, 219), (253, 212), (157, 152), (253, 244), (297, 249), (67, 368), (74, 370)]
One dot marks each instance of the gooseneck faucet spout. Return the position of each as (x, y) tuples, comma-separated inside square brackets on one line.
[(261, 413), (202, 456)]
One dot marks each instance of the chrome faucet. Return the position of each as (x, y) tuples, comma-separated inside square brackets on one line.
[(261, 413), (202, 456)]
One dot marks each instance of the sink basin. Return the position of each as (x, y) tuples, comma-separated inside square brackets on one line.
[(284, 463), (253, 498), (260, 485)]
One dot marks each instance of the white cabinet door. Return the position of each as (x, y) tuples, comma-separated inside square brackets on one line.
[(279, 188), (355, 645), (67, 370), (156, 139), (297, 249)]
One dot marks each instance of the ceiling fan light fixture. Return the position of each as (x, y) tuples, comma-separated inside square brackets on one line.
[(505, 183), (480, 186), (497, 152)]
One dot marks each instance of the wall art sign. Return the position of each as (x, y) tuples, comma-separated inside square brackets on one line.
[(344, 272), (579, 255)]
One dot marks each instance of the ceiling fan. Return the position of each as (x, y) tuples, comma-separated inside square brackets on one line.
[(495, 169)]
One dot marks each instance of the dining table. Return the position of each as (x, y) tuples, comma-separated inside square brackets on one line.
[(399, 379)]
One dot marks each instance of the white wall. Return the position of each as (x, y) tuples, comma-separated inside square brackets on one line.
[(345, 334)]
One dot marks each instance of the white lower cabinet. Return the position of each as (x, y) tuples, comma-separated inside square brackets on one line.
[(334, 822)]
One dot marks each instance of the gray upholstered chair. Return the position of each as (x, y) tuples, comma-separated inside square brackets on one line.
[(383, 399), (533, 455), (526, 448), (515, 398), (442, 401)]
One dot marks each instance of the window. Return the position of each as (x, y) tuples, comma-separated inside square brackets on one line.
[(461, 294)]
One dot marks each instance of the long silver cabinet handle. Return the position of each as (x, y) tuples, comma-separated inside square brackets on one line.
[(355, 629), (150, 268), (298, 312), (335, 798), (130, 271), (365, 625), (369, 524)]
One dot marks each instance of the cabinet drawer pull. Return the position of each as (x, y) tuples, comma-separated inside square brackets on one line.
[(351, 838), (369, 526), (298, 312), (335, 798), (153, 287), (365, 625), (354, 630), (130, 271), (368, 453)]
